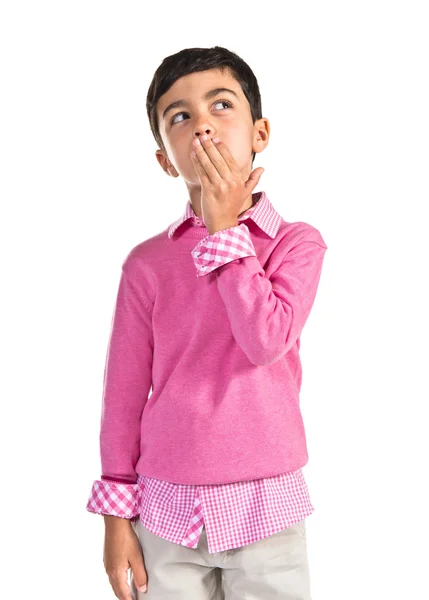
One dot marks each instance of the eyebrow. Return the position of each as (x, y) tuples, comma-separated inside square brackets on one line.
[(206, 96)]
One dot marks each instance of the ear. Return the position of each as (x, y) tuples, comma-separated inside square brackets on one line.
[(166, 165), (261, 134)]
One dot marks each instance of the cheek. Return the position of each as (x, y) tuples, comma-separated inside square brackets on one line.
[(240, 147), (179, 157)]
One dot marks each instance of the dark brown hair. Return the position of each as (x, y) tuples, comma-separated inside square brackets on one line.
[(191, 60)]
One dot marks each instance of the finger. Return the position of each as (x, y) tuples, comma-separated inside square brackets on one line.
[(217, 159), (206, 163), (202, 173), (138, 573), (254, 178), (227, 156), (138, 582), (119, 583), (137, 564)]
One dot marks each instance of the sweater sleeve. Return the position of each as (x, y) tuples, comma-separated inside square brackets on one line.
[(126, 385), (267, 315)]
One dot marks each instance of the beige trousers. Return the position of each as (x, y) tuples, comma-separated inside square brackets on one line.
[(274, 567)]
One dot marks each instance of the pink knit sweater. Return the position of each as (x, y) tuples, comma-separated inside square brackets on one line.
[(212, 325)]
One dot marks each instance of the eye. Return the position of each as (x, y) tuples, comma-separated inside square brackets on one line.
[(229, 105)]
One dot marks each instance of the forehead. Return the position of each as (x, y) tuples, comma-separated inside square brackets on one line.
[(192, 87)]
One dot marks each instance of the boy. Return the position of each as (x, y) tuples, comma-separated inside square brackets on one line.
[(201, 488)]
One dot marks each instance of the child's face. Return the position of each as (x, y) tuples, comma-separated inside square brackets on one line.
[(232, 123)]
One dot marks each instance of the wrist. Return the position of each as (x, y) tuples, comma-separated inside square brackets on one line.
[(220, 227), (114, 521)]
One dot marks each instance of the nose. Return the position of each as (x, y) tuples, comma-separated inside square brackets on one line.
[(207, 131), (203, 125)]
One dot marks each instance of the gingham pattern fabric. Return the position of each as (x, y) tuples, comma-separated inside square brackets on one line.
[(117, 499), (221, 247), (235, 514), (262, 212), (226, 245)]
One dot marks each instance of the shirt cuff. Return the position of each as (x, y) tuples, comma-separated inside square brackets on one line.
[(222, 247), (116, 499)]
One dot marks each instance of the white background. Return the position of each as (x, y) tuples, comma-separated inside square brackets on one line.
[(345, 88)]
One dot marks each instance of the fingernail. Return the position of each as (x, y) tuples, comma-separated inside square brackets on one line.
[(143, 588)]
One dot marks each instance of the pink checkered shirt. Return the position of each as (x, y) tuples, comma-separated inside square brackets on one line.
[(234, 514)]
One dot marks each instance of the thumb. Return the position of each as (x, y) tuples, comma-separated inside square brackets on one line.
[(138, 573), (254, 178)]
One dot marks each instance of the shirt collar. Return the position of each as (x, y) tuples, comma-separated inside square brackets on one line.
[(262, 213)]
